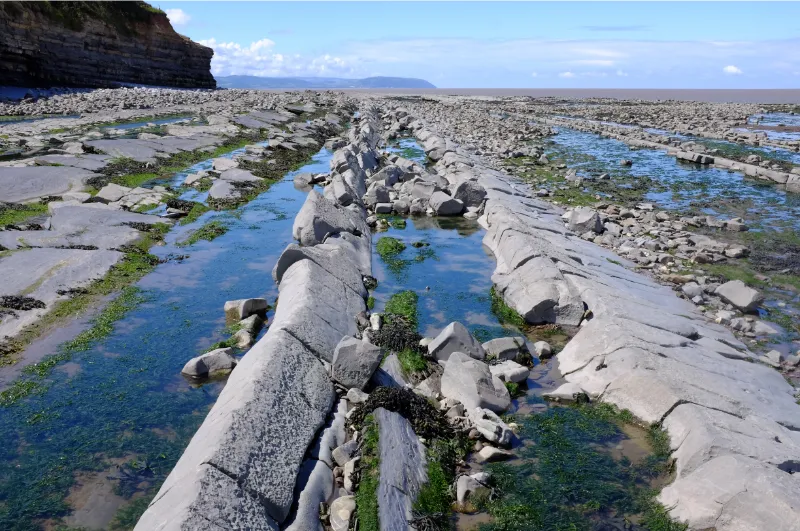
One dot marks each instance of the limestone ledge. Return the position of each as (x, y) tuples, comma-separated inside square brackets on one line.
[(733, 424)]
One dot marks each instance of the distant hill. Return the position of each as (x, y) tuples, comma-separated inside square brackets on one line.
[(255, 82)]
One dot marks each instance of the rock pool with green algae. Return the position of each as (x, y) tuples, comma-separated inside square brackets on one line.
[(682, 186), (455, 266), (124, 401), (571, 474)]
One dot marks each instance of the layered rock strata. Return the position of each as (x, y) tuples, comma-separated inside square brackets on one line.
[(78, 45)]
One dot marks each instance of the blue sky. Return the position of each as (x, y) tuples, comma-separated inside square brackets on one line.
[(506, 44)]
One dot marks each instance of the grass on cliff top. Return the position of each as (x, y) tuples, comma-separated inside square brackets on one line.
[(122, 16), (569, 479)]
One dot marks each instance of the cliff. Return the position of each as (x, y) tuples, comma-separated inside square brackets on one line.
[(97, 44)]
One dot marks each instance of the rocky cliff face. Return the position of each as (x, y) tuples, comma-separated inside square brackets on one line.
[(96, 44)]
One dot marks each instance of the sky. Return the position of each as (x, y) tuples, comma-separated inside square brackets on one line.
[(505, 44)]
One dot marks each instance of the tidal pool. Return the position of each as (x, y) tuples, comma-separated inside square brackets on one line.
[(679, 186), (121, 409)]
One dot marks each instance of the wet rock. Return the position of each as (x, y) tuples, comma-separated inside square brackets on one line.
[(356, 396), (223, 191), (567, 392), (471, 382), (470, 485), (217, 360), (242, 308), (455, 338), (737, 293), (354, 362), (506, 348), (343, 453), (490, 454)]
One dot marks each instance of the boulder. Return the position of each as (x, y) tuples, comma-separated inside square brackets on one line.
[(506, 348), (455, 338), (566, 392), (470, 193), (223, 191), (491, 426), (471, 382), (737, 293), (510, 371), (320, 217), (490, 454), (217, 360), (584, 219), (354, 362), (474, 484), (243, 308), (342, 510), (444, 205)]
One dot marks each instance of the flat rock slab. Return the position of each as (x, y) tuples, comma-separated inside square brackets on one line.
[(72, 218), (88, 162), (402, 470), (41, 273), (102, 237), (32, 182)]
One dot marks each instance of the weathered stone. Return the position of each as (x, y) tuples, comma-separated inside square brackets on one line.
[(354, 362), (217, 360), (510, 371), (444, 205), (506, 348), (470, 193), (342, 510), (455, 338), (402, 469), (243, 308), (491, 426), (470, 382), (257, 432), (490, 454), (320, 217), (737, 293), (584, 219)]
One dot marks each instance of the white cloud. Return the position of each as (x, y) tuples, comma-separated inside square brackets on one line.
[(534, 74), (178, 17), (566, 74), (260, 58), (593, 62), (730, 69), (622, 73)]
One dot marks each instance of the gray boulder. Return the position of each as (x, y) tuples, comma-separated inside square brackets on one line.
[(244, 308), (510, 371), (320, 217), (455, 338), (506, 348), (354, 362), (737, 293), (444, 205), (470, 193), (223, 191), (584, 219), (217, 360), (491, 426), (471, 382)]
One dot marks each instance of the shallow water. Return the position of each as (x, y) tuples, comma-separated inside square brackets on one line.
[(453, 284), (125, 397), (682, 186)]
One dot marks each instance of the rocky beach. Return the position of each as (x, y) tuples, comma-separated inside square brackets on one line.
[(243, 309)]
